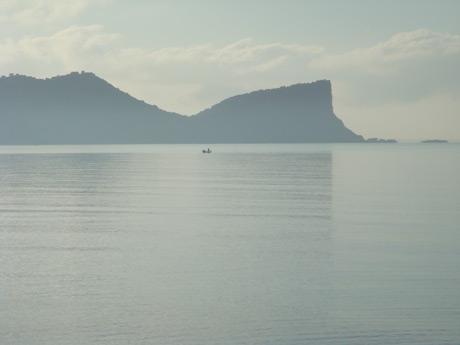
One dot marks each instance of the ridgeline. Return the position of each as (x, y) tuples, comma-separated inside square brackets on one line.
[(81, 108)]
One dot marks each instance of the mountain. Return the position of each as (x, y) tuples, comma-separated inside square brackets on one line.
[(77, 109), (81, 108), (298, 113)]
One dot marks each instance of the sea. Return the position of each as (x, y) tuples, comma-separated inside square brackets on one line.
[(250, 244)]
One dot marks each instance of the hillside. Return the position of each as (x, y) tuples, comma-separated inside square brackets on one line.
[(298, 113), (76, 109), (81, 108)]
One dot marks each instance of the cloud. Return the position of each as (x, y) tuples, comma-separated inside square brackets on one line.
[(66, 49), (246, 50), (28, 13), (241, 53), (401, 73), (385, 57)]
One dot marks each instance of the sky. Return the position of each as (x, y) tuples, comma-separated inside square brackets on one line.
[(394, 65)]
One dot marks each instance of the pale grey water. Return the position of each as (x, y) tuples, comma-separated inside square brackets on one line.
[(252, 244)]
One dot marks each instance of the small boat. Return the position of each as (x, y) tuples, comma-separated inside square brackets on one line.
[(207, 151)]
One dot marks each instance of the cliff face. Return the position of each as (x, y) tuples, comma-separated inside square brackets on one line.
[(81, 108), (298, 113)]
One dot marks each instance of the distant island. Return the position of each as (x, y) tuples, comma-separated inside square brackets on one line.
[(434, 141), (381, 141), (81, 108)]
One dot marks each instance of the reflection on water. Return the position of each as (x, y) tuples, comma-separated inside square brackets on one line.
[(169, 247), (258, 244)]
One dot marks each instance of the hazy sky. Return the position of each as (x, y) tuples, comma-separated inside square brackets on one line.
[(394, 65)]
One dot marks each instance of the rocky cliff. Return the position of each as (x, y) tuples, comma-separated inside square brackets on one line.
[(81, 108)]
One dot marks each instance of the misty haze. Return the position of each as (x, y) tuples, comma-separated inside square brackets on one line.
[(229, 172)]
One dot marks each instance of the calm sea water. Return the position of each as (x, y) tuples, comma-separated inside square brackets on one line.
[(252, 244)]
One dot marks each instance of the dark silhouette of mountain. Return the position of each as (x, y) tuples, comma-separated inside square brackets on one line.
[(298, 113), (81, 108), (77, 109)]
